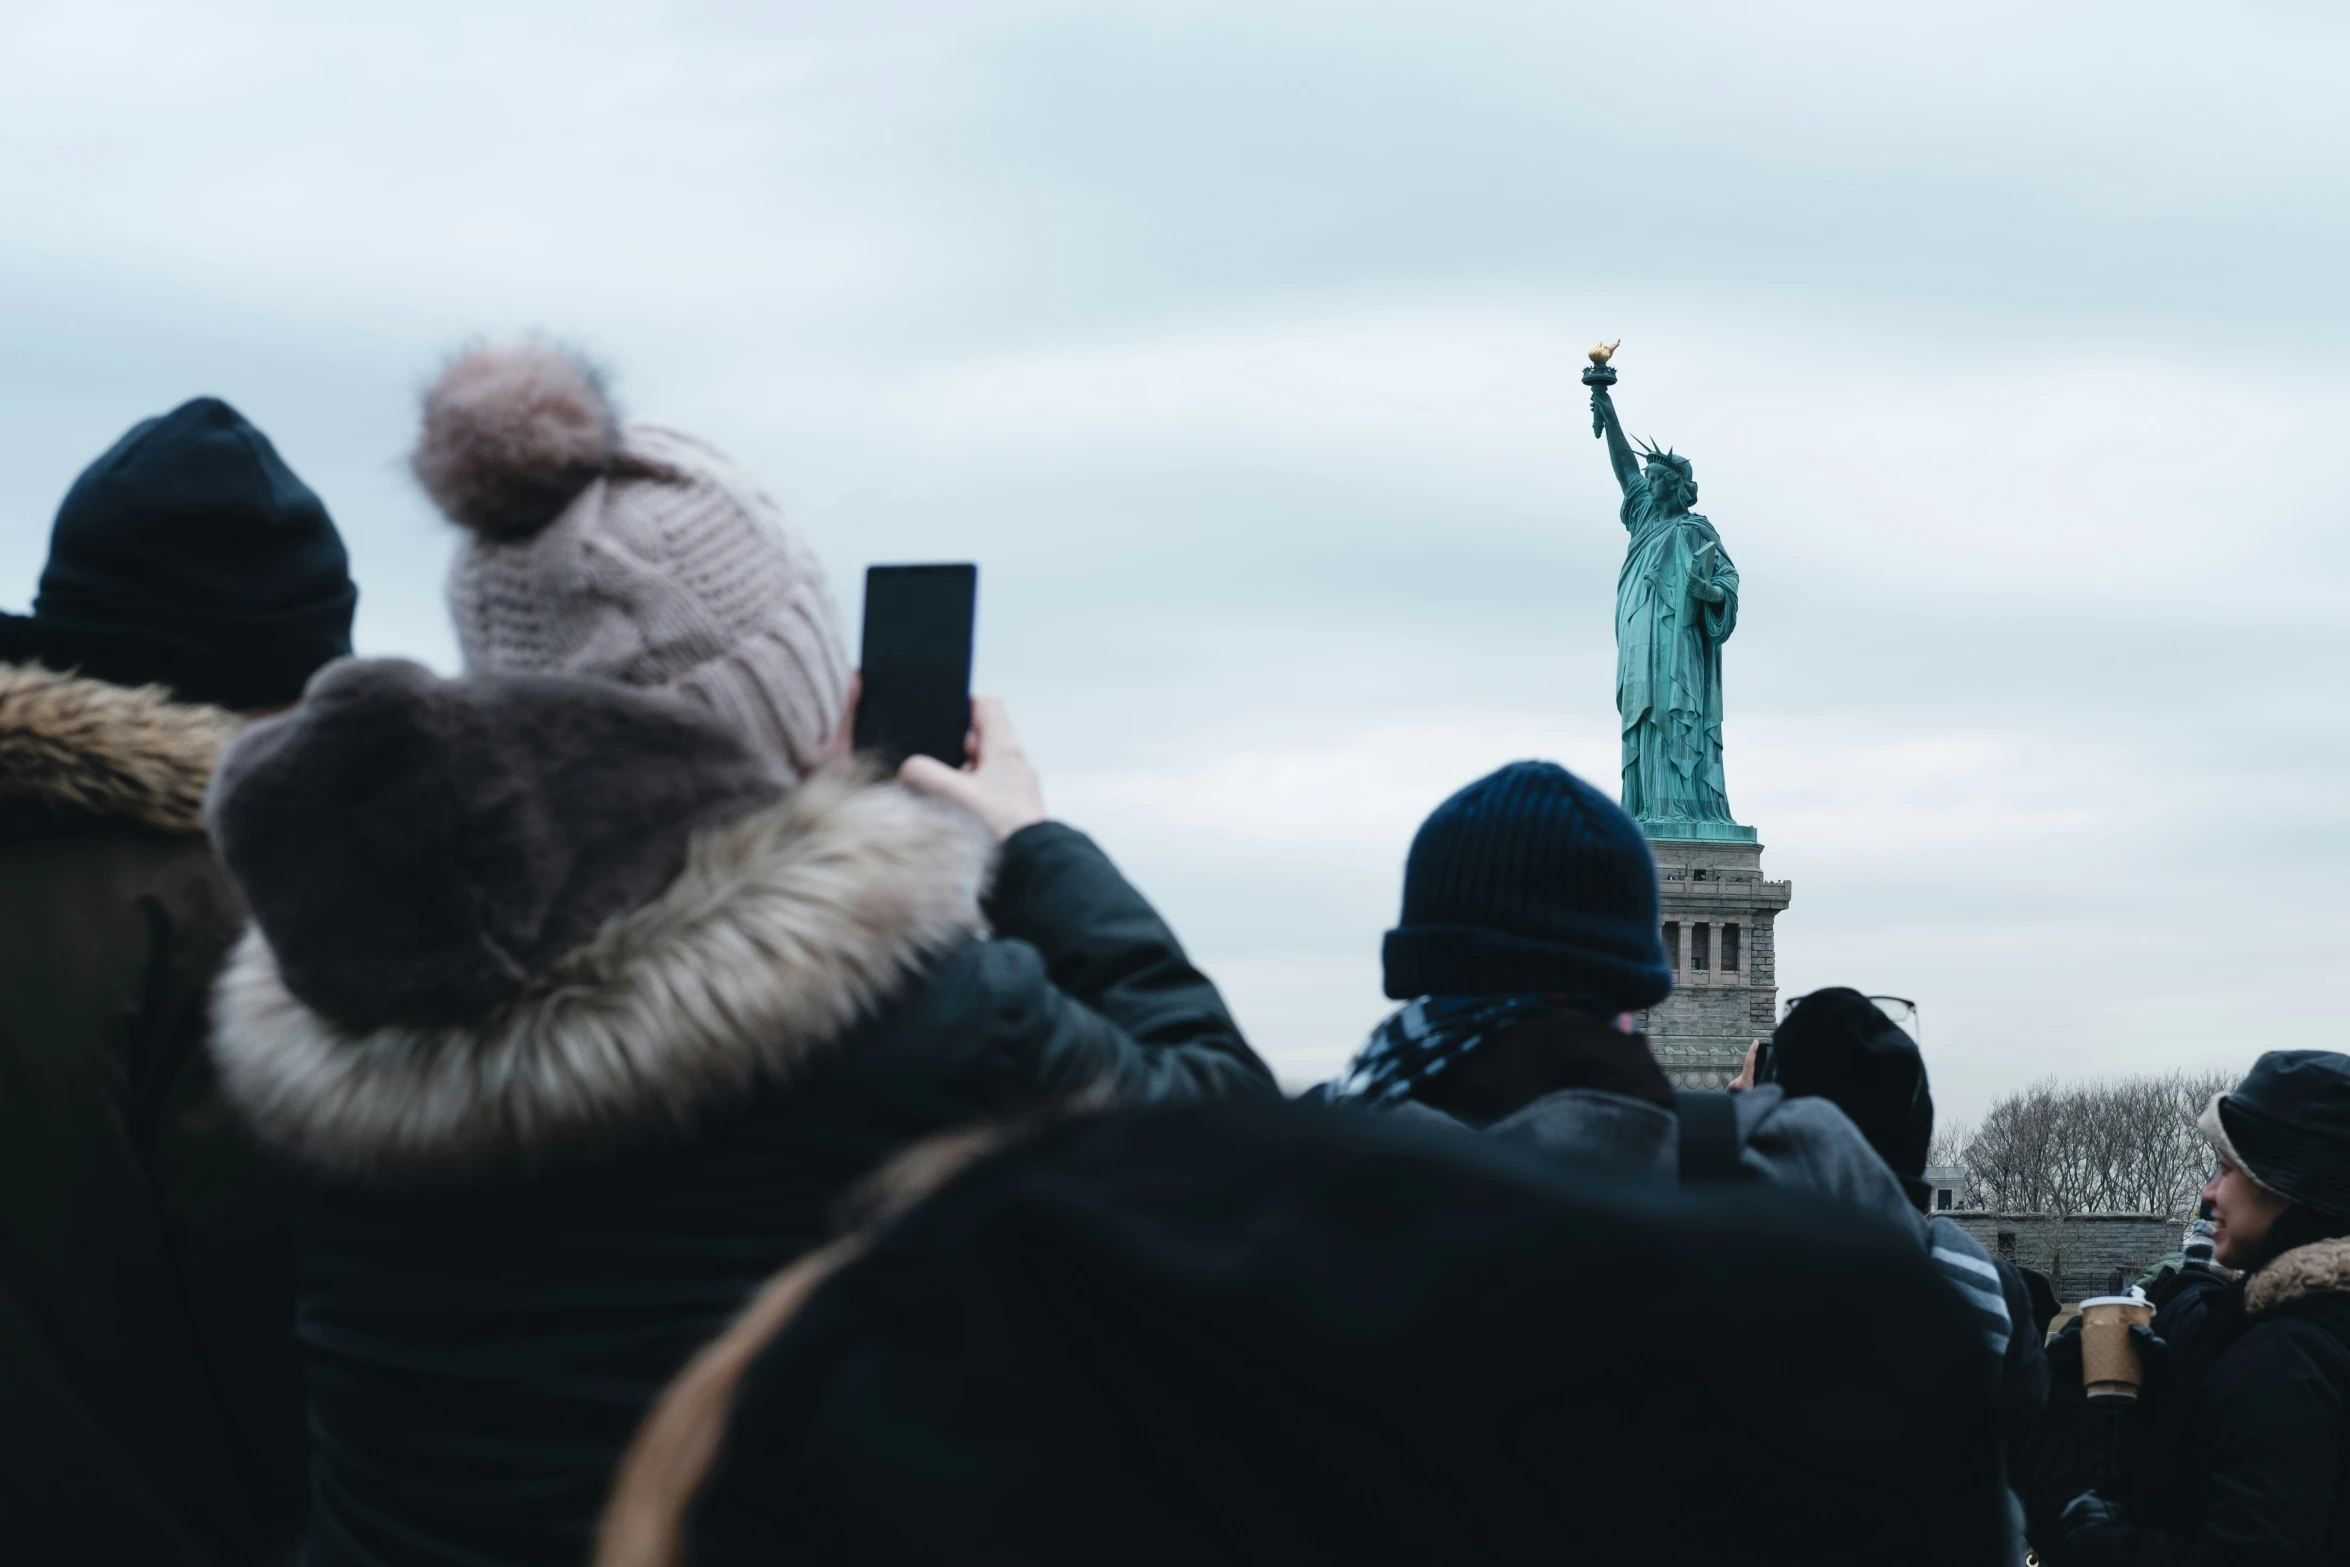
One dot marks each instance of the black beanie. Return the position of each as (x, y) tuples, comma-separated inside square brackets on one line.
[(1530, 880), (190, 556), (1837, 1046)]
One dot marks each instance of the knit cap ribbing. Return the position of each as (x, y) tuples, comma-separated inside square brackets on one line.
[(672, 572), (1530, 880)]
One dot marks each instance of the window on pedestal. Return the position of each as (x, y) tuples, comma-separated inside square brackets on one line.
[(1729, 949), (1673, 943), (1699, 957)]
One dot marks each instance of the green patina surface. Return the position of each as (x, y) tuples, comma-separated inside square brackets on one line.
[(1676, 604)]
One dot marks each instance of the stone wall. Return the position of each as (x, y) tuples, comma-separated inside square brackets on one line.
[(2080, 1252)]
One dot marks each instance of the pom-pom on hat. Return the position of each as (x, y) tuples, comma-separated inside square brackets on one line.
[(512, 436), (1530, 880), (625, 551)]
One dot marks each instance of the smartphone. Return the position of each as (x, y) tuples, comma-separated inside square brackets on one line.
[(916, 662)]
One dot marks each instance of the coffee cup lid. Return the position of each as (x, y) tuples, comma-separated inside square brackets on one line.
[(2115, 1300)]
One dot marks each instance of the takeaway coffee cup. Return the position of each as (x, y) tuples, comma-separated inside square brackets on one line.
[(2109, 1361)]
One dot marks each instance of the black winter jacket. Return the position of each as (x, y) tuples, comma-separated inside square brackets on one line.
[(484, 1338), (2251, 1460), (150, 1387)]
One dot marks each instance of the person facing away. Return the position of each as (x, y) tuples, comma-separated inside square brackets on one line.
[(1258, 1332), (1530, 936), (2249, 1415), (150, 1392), (1837, 1044), (574, 1022)]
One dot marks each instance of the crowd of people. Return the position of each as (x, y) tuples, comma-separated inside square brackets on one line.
[(580, 1111)]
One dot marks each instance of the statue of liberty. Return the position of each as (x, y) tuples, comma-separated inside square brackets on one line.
[(1676, 604)]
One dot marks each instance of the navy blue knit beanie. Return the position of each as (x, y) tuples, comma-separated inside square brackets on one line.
[(1530, 880), (191, 556)]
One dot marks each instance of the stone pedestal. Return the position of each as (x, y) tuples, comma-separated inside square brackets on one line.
[(1718, 915)]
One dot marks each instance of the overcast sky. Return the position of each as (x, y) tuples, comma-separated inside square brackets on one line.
[(1239, 343)]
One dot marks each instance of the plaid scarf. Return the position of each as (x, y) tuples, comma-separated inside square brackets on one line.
[(1424, 1037)]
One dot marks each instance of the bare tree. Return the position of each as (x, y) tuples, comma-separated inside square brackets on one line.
[(2015, 1155), (2122, 1145)]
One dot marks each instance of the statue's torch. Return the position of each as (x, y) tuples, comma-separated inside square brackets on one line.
[(1599, 377)]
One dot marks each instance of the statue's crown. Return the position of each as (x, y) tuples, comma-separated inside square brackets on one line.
[(1651, 452)]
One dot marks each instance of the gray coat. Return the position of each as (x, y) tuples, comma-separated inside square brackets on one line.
[(1807, 1144)]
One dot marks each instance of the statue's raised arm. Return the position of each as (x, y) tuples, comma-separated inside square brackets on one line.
[(1603, 416), (1619, 450)]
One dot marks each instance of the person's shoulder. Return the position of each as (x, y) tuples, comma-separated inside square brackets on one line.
[(189, 879), (1963, 1259), (2296, 1303), (82, 747), (109, 872), (1947, 1234), (992, 996), (1808, 1141), (1770, 1108), (971, 1014), (2294, 1354), (1594, 1124), (1051, 836), (2312, 1327), (981, 974)]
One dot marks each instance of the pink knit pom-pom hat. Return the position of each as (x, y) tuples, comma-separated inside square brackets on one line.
[(625, 552)]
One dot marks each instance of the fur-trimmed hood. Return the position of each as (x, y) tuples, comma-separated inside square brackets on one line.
[(784, 929), (81, 745), (2319, 1268)]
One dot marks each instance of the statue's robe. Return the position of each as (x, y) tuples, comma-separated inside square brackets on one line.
[(1669, 662)]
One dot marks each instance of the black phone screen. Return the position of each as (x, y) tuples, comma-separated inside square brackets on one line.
[(916, 661)]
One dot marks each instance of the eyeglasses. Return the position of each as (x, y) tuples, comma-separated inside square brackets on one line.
[(1902, 1010)]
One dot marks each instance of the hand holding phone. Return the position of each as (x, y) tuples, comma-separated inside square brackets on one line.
[(997, 785)]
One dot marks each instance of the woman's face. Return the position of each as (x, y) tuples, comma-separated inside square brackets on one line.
[(2241, 1214)]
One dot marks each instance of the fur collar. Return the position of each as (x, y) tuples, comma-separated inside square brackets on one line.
[(782, 931), (81, 745), (2319, 1268)]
